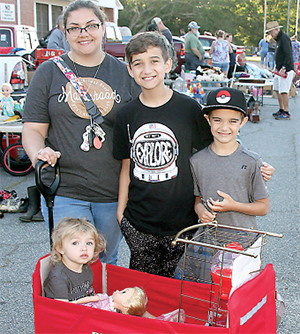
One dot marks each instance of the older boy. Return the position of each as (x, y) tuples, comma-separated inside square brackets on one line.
[(154, 136)]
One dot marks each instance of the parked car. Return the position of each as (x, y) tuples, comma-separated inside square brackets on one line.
[(16, 44), (206, 41), (178, 44)]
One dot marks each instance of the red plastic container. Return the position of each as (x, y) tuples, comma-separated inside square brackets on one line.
[(12, 139), (220, 299)]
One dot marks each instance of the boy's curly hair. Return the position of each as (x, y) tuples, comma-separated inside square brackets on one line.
[(69, 227)]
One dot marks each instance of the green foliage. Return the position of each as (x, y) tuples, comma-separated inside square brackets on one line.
[(243, 18)]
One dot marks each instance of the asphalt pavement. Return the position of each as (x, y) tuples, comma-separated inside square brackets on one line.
[(278, 142)]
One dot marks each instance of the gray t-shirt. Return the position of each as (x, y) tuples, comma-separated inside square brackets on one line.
[(89, 176), (237, 175), (63, 283)]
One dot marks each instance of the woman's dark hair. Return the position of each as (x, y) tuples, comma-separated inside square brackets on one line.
[(78, 4)]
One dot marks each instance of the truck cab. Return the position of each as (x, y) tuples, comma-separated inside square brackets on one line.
[(15, 41)]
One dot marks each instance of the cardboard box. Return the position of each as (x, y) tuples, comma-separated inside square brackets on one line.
[(292, 92), (30, 75), (241, 88)]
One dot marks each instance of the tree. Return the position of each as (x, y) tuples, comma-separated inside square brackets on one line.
[(243, 18)]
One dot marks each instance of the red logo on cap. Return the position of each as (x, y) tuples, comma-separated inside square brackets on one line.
[(223, 97)]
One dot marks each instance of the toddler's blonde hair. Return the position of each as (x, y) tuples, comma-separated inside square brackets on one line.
[(71, 227)]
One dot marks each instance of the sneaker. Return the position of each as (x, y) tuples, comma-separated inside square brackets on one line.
[(10, 205), (275, 114), (283, 116)]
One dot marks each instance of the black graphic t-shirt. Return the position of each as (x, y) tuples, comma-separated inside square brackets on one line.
[(159, 142), (63, 283), (90, 176)]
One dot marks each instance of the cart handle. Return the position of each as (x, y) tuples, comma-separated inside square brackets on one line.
[(47, 191)]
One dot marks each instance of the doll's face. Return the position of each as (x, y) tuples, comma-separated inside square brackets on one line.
[(121, 298), (6, 91)]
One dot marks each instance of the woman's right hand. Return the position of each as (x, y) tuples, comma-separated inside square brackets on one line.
[(48, 155)]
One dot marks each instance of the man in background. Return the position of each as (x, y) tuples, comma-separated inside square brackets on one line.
[(194, 52), (284, 69), (163, 29)]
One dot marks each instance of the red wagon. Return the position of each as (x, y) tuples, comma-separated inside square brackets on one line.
[(251, 307)]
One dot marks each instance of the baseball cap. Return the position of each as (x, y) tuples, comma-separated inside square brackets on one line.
[(156, 20), (226, 98), (193, 24)]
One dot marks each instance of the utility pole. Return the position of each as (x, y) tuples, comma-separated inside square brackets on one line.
[(288, 18), (297, 14), (265, 17)]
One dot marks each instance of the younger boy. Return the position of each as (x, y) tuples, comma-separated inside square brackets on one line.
[(226, 174), (227, 177), (154, 136)]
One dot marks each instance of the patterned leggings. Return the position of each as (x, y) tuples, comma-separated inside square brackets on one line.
[(150, 253)]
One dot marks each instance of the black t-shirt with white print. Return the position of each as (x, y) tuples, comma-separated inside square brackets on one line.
[(159, 141)]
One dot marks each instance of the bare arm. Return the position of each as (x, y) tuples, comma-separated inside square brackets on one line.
[(85, 300), (230, 48), (123, 188), (33, 141), (197, 53), (257, 208), (211, 50)]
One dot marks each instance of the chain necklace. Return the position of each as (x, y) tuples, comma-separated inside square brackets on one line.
[(102, 57)]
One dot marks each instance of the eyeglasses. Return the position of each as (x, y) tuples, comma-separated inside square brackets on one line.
[(91, 28)]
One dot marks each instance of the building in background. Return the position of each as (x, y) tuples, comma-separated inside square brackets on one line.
[(43, 14)]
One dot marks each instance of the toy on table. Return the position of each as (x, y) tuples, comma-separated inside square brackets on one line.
[(7, 103)]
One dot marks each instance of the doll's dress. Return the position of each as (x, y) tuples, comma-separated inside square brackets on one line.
[(105, 302), (173, 316), (7, 106)]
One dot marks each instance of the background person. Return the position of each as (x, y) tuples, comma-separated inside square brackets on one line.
[(163, 29), (194, 52), (231, 56), (284, 65), (57, 39), (263, 50), (271, 52), (55, 125), (219, 51), (295, 48)]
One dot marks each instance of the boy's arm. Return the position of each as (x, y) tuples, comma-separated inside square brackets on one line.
[(258, 208), (123, 188), (204, 215)]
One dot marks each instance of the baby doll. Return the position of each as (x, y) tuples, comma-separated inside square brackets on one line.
[(7, 103), (131, 301), (76, 243)]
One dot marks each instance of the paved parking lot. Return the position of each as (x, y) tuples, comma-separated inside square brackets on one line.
[(278, 142)]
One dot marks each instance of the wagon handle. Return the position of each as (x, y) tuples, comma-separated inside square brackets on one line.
[(47, 191)]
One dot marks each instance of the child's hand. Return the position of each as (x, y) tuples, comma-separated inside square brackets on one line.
[(267, 171), (221, 206), (204, 215)]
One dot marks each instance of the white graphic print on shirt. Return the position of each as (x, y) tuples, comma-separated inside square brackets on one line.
[(154, 150)]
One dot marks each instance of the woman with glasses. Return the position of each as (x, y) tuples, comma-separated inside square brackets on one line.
[(58, 126)]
